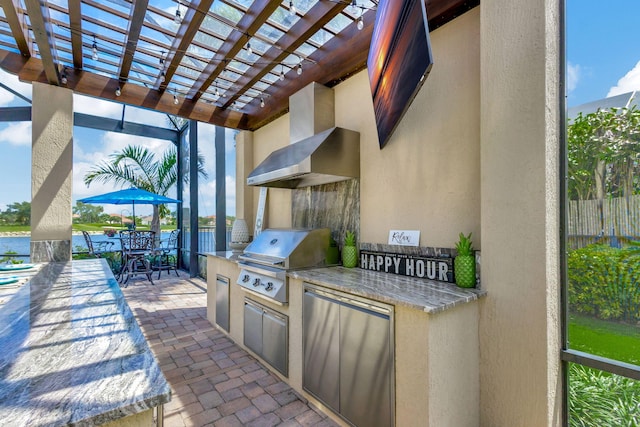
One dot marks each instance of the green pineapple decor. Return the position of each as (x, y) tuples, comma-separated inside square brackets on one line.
[(349, 251), (464, 265)]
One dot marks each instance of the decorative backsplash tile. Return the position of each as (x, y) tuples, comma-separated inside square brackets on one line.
[(335, 206)]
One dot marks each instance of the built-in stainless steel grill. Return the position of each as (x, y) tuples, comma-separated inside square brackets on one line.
[(265, 262)]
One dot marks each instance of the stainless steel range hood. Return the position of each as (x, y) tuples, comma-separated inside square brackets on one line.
[(319, 153)]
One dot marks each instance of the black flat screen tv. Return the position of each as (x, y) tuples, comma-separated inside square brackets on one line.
[(399, 61)]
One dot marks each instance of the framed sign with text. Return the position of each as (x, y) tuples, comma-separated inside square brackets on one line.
[(440, 269), (404, 237)]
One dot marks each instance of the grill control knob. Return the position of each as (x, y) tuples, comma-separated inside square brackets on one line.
[(269, 286), (245, 278), (256, 282)]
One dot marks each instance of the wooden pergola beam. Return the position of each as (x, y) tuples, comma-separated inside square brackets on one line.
[(347, 50), (191, 22), (75, 25), (99, 86), (41, 27), (15, 19), (138, 10), (250, 22), (320, 14)]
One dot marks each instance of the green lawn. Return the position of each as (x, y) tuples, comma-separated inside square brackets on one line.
[(608, 339)]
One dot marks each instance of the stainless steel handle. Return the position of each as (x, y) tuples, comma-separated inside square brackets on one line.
[(347, 300)]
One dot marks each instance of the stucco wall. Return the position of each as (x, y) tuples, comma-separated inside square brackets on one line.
[(519, 327), (265, 140), (427, 177), (51, 165)]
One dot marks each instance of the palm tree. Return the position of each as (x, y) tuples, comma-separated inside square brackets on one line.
[(137, 166)]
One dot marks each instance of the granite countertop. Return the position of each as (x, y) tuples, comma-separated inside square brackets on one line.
[(72, 351), (426, 295)]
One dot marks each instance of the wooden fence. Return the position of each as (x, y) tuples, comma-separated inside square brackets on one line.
[(621, 221)]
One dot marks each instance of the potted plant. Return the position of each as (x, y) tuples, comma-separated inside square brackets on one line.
[(349, 251), (464, 264)]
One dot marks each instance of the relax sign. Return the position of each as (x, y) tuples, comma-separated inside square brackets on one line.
[(408, 265)]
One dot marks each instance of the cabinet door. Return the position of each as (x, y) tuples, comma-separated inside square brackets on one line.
[(274, 341), (365, 367), (320, 334), (253, 327)]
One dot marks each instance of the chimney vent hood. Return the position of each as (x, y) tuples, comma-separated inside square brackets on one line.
[(318, 153)]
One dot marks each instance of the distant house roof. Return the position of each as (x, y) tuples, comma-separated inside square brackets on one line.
[(121, 218), (619, 101)]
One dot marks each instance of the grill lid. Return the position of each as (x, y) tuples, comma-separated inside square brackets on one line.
[(289, 248)]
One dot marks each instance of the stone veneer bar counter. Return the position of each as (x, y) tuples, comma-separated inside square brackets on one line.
[(72, 352)]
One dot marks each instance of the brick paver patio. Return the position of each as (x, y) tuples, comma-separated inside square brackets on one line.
[(213, 381)]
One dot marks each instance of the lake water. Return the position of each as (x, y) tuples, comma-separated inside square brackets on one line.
[(21, 244)]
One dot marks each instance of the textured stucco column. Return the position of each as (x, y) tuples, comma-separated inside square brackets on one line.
[(520, 378), (244, 166), (51, 173)]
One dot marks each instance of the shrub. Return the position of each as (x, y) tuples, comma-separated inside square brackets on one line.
[(600, 399), (605, 282)]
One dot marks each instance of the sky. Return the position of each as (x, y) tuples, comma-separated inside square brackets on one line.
[(92, 146), (603, 49)]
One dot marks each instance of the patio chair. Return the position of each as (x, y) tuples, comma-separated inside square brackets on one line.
[(103, 249), (137, 250), (98, 248), (168, 254)]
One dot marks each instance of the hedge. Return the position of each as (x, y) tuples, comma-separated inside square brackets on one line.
[(605, 282)]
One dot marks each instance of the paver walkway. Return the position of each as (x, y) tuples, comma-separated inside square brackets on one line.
[(213, 381)]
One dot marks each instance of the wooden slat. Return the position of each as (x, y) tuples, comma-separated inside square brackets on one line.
[(331, 63), (41, 27), (251, 22), (348, 50), (15, 19), (75, 25), (138, 10), (99, 86), (307, 26), (192, 20)]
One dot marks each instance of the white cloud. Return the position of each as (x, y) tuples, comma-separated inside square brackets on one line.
[(628, 83), (16, 133), (14, 83), (207, 197), (6, 98), (113, 142), (96, 107), (574, 72)]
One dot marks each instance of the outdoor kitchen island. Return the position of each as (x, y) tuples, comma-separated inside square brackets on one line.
[(434, 339), (72, 351)]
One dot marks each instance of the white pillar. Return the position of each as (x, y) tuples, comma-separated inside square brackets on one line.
[(244, 166), (520, 379), (51, 173)]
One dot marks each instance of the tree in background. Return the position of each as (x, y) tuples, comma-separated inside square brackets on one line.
[(138, 167), (18, 213), (89, 213), (603, 150)]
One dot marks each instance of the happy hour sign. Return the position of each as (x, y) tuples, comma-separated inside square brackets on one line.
[(440, 269)]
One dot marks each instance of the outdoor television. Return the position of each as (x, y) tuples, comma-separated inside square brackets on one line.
[(399, 60)]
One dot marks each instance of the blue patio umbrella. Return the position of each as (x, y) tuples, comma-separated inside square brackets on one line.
[(130, 196)]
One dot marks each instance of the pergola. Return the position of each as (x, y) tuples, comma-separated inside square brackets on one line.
[(231, 63)]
